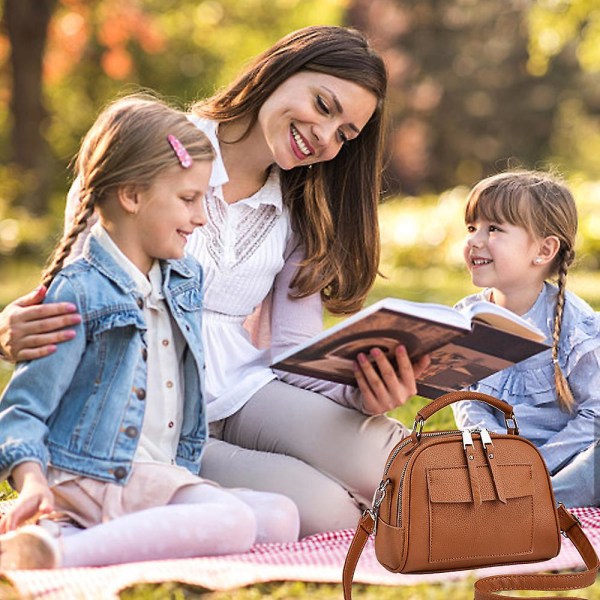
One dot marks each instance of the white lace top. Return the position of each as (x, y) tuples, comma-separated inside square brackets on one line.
[(241, 249)]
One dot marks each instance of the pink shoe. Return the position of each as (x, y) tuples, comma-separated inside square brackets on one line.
[(29, 547)]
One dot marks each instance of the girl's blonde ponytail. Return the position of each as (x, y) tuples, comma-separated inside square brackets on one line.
[(563, 391)]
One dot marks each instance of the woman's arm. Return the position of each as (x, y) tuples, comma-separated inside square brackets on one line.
[(293, 321), (30, 330)]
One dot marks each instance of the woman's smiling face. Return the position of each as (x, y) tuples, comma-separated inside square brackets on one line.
[(311, 115)]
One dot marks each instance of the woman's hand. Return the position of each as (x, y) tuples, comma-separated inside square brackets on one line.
[(31, 330), (35, 498), (387, 389)]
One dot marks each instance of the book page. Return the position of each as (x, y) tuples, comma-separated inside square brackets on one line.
[(502, 318), (473, 357), (454, 367), (439, 313)]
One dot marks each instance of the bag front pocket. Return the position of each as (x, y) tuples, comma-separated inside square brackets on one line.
[(490, 532)]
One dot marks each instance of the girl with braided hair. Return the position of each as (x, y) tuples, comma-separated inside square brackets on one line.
[(109, 430), (521, 233)]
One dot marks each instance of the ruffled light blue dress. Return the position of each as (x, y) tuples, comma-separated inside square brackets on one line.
[(569, 442)]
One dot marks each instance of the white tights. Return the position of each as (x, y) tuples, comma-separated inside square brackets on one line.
[(200, 520)]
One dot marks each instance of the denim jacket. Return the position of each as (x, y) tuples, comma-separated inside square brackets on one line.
[(82, 407)]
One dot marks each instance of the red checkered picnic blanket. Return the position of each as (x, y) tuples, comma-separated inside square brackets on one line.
[(318, 558)]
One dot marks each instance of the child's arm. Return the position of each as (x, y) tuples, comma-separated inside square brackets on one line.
[(584, 428), (34, 393), (35, 497)]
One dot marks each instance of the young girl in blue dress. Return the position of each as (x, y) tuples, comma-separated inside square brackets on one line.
[(521, 233), (108, 431)]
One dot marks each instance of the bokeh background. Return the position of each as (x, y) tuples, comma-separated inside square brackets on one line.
[(476, 86)]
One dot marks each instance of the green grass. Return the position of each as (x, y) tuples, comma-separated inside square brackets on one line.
[(297, 590), (461, 590)]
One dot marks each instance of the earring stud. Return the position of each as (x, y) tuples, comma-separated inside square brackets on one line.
[(538, 260)]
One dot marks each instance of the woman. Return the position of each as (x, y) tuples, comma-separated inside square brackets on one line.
[(292, 228)]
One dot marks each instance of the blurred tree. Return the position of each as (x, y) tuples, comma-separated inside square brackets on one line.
[(464, 101), (26, 23), (553, 25), (571, 26)]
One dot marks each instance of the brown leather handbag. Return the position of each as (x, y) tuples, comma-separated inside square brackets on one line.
[(452, 500)]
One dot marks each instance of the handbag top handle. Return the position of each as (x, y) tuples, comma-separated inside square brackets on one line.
[(435, 405)]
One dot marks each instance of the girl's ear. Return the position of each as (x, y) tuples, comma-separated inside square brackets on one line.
[(548, 249), (129, 198)]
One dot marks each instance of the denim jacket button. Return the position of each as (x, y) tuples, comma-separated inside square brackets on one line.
[(140, 302), (131, 431), (120, 472), (144, 354), (140, 393)]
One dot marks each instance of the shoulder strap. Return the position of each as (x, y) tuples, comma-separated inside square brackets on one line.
[(569, 524), (365, 528), (485, 588)]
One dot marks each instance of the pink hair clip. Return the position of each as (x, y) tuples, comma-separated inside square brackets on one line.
[(185, 160)]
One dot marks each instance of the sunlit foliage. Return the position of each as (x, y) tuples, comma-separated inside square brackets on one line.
[(555, 24)]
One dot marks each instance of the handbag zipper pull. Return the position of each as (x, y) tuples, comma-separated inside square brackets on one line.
[(490, 455), (469, 449)]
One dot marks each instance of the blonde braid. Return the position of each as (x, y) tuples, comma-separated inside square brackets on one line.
[(63, 249), (563, 391)]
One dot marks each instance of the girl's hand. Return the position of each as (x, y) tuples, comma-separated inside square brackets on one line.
[(387, 389), (31, 330), (35, 498)]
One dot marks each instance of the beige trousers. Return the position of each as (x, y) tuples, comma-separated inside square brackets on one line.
[(327, 458)]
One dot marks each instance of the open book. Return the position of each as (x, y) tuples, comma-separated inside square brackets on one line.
[(465, 346)]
